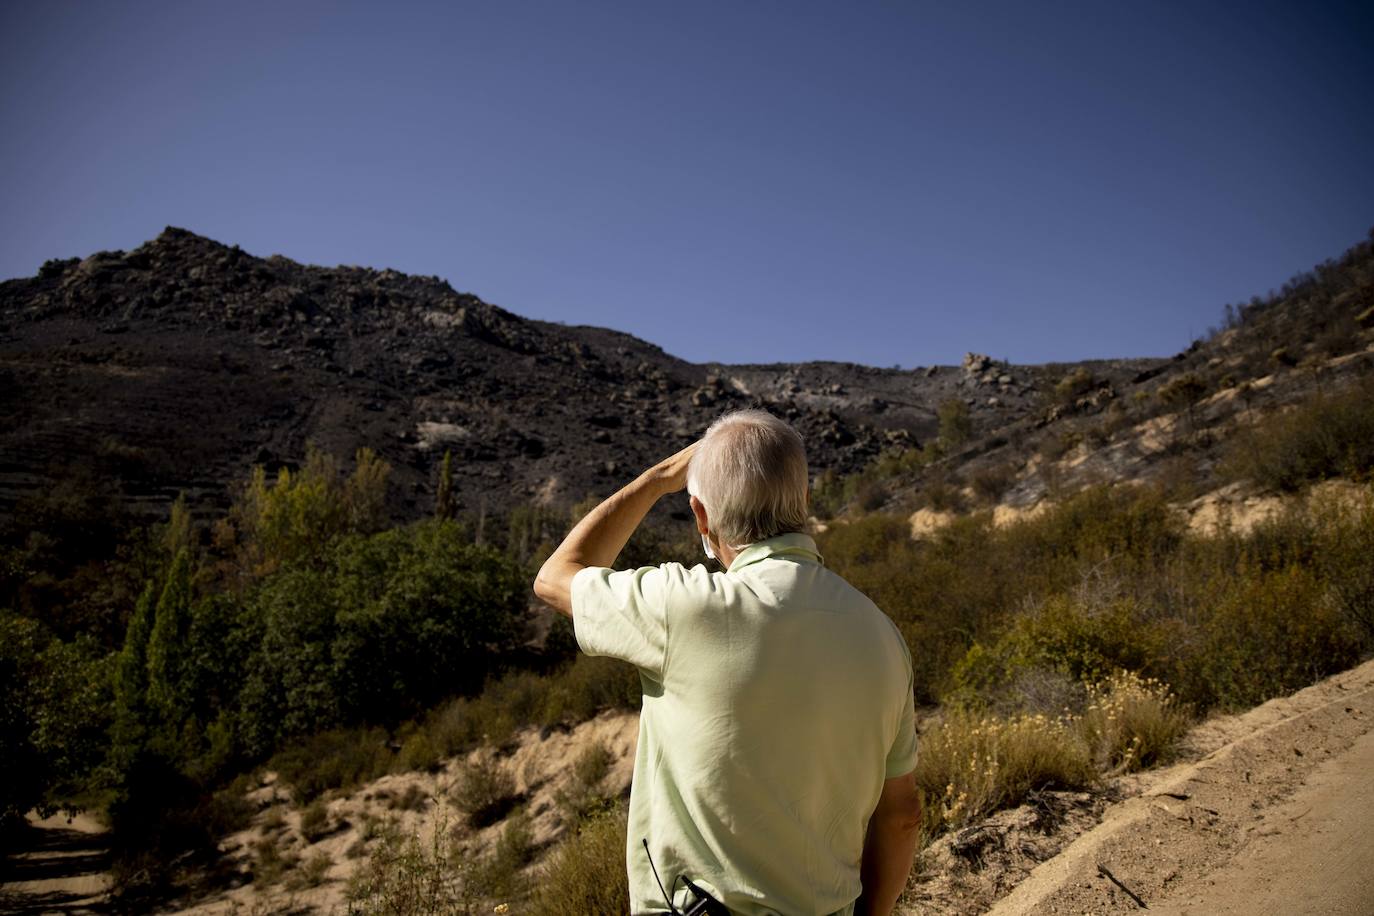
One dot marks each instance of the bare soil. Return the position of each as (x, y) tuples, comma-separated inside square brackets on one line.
[(62, 868)]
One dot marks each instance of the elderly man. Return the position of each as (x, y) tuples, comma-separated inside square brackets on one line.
[(777, 738)]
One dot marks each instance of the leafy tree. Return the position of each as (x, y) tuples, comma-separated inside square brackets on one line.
[(364, 492), (54, 713), (299, 514), (290, 689), (422, 614)]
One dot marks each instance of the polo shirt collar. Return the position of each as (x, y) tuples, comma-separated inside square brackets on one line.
[(793, 546)]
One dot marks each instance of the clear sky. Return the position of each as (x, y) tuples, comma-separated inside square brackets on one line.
[(884, 182)]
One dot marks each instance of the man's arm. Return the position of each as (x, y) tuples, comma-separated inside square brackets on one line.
[(598, 539), (890, 846)]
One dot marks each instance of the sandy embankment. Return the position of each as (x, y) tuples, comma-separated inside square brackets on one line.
[(1273, 818)]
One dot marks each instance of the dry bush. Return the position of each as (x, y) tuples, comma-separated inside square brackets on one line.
[(315, 821), (972, 765), (587, 872), (499, 875), (990, 483), (414, 798), (584, 796), (312, 871), (274, 821), (408, 876), (1131, 723), (484, 792), (270, 863), (1326, 436)]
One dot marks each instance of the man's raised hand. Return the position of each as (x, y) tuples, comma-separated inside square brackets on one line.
[(671, 472)]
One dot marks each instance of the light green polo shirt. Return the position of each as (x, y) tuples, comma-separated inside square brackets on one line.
[(777, 699)]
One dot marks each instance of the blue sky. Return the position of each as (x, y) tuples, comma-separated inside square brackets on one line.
[(892, 183)]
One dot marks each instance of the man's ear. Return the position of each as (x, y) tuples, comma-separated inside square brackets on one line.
[(699, 510)]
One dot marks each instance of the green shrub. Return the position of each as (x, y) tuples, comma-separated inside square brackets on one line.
[(590, 685), (1084, 644), (587, 871), (419, 751), (484, 792), (315, 823), (1072, 386), (337, 759), (1344, 545), (1269, 633), (956, 423)]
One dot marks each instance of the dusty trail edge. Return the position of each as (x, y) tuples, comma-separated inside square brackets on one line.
[(1272, 811)]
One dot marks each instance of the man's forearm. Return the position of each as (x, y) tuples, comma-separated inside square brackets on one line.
[(889, 851), (597, 539)]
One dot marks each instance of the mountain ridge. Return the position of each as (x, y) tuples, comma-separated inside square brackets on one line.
[(176, 366)]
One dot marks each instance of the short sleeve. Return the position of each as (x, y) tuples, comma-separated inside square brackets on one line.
[(623, 614), (901, 757)]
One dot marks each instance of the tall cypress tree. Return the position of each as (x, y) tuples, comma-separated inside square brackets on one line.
[(131, 682), (444, 507), (167, 645)]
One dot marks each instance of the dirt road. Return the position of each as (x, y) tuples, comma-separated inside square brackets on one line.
[(1277, 817), (61, 870), (1315, 856)]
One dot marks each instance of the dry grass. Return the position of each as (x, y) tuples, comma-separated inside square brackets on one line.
[(587, 873), (971, 765), (412, 876), (1131, 723), (584, 795)]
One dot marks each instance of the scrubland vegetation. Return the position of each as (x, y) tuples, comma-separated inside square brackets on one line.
[(1061, 649), (149, 672), (296, 631)]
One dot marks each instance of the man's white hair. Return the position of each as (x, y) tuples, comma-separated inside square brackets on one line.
[(750, 473)]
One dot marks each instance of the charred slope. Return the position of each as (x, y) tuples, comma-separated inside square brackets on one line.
[(178, 365)]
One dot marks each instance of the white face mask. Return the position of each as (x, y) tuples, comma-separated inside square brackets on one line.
[(706, 546)]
